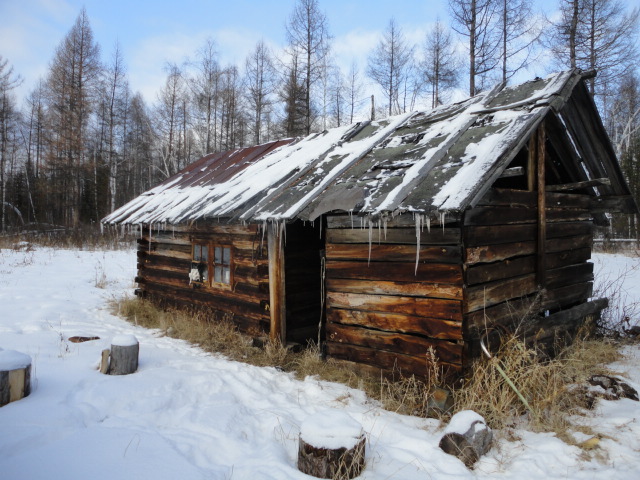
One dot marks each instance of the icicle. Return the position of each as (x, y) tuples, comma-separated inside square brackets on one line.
[(379, 232), (442, 220), (385, 227), (351, 218), (101, 228), (370, 235), (428, 224), (418, 217), (173, 231), (264, 229), (150, 236)]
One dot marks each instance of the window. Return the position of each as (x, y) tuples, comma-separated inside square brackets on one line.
[(200, 264), (211, 265), (222, 264)]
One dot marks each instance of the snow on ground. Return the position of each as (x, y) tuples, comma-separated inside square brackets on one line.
[(190, 415)]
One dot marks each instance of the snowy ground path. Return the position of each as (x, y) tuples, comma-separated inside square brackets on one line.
[(190, 415)]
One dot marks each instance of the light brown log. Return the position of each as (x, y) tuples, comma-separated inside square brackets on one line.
[(277, 299), (104, 361)]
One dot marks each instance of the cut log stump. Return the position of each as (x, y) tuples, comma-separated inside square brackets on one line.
[(467, 437), (15, 376), (332, 445), (124, 355)]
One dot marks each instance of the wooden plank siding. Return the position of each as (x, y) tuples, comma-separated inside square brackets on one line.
[(164, 261), (502, 260), (383, 309)]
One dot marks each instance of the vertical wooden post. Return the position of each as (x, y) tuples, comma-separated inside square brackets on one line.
[(531, 163), (277, 310), (541, 274)]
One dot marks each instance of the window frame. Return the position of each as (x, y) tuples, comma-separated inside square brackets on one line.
[(211, 264)]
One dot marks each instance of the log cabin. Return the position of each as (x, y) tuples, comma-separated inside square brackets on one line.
[(390, 241)]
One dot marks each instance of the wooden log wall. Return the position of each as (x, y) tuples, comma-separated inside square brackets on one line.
[(164, 261), (502, 258), (383, 312)]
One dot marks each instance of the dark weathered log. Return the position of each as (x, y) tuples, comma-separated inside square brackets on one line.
[(331, 445), (623, 204), (486, 295), (15, 376), (512, 172), (495, 253), (124, 355), (393, 363), (541, 273), (509, 268), (596, 182), (447, 351), (437, 236), (400, 272), (467, 437)]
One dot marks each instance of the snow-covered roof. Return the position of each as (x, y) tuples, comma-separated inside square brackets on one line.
[(440, 160)]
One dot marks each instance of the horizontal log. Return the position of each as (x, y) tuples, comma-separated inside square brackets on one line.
[(596, 182), (437, 236), (398, 272), (492, 235), (488, 294), (622, 204), (393, 253), (395, 322), (560, 277), (417, 306), (395, 363), (564, 258), (506, 313), (496, 253), (207, 299), (213, 227), (563, 297), (400, 221), (447, 351), (410, 289), (523, 198), (568, 243), (491, 215), (509, 268)]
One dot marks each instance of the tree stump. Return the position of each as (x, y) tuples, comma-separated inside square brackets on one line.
[(15, 376), (332, 445), (124, 355), (467, 437)]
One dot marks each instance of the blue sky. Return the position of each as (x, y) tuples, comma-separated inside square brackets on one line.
[(151, 33)]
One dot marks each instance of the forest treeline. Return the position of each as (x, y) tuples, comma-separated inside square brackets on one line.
[(83, 143)]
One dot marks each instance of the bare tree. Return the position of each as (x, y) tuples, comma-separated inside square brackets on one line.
[(260, 84), (8, 81), (293, 96), (519, 32), (597, 34), (169, 119), (388, 65), (205, 93), (308, 33), (354, 89), (72, 90), (476, 20), (441, 62)]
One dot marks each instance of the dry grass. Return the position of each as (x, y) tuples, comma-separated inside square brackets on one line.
[(549, 387), (87, 237)]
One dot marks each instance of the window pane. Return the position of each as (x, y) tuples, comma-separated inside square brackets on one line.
[(226, 256), (205, 252), (226, 275), (218, 255), (204, 272), (196, 253), (217, 274)]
